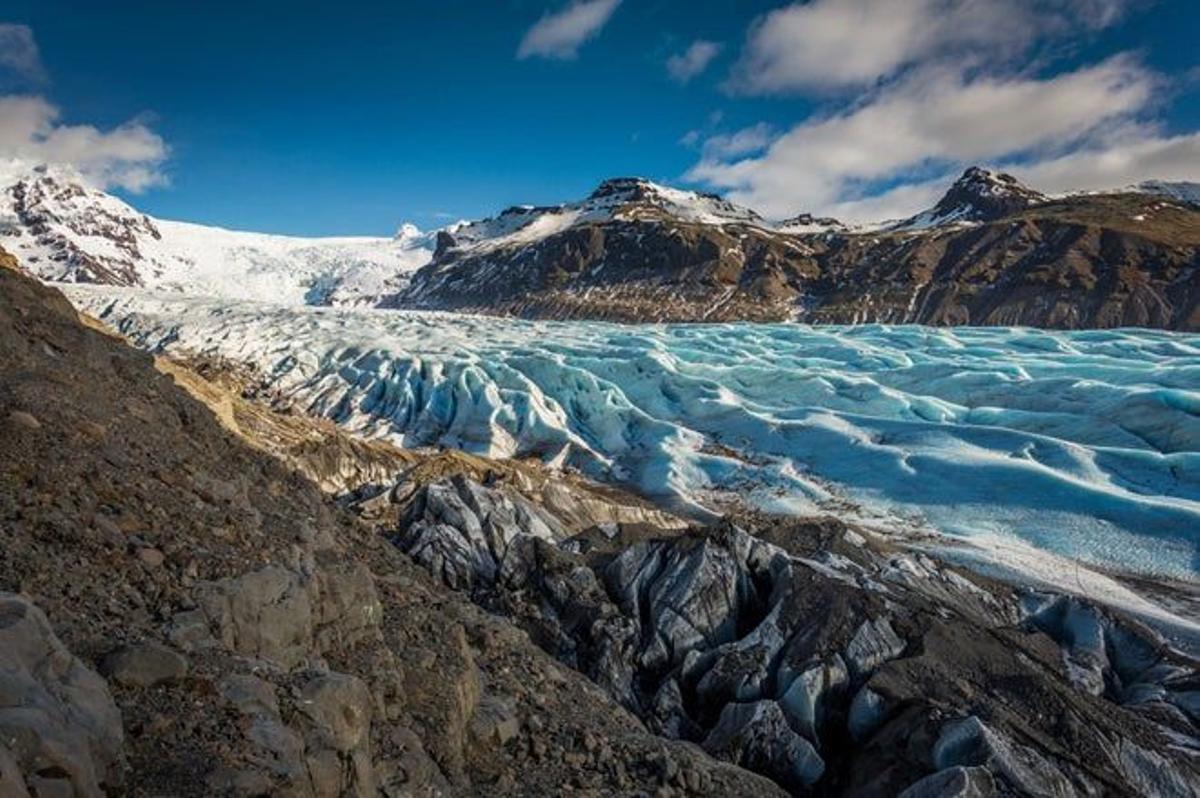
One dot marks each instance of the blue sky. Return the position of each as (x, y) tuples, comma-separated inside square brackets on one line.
[(316, 118)]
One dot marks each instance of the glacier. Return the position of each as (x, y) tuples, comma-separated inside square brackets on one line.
[(1083, 445)]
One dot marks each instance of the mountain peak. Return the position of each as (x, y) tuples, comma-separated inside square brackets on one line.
[(808, 223), (979, 195), (628, 188), (984, 194)]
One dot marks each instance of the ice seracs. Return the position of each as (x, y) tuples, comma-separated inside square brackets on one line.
[(1025, 443)]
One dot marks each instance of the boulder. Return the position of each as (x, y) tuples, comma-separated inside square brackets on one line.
[(60, 731), (283, 615), (757, 736), (335, 721), (320, 749), (267, 614), (144, 665), (347, 609), (495, 721)]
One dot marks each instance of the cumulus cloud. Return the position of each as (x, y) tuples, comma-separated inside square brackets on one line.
[(1141, 155), (129, 156), (692, 61), (19, 56), (937, 85), (935, 117), (740, 142), (1134, 155), (560, 35), (838, 44)]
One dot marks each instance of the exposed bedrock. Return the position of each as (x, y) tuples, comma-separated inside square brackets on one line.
[(60, 730), (814, 654)]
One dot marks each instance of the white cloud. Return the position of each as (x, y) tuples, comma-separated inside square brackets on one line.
[(1142, 155), (129, 156), (935, 117), (559, 35), (837, 44), (1137, 154), (692, 61), (741, 142), (19, 53), (941, 84), (900, 202)]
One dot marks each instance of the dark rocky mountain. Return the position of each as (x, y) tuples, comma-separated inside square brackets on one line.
[(991, 252), (184, 612), (980, 195)]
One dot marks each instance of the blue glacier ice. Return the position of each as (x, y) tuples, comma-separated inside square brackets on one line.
[(1082, 444)]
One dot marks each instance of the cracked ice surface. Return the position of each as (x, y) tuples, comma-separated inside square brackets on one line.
[(1082, 444)]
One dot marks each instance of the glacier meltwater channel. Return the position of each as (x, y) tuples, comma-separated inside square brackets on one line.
[(1080, 444)]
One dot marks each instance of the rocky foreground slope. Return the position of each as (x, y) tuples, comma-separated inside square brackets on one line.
[(183, 613), (991, 252)]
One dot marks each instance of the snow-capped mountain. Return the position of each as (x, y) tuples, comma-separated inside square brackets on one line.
[(622, 199), (64, 230), (991, 251), (979, 195), (807, 224)]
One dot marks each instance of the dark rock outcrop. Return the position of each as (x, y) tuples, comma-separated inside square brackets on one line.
[(818, 656)]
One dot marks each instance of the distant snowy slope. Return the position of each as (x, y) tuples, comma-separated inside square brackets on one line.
[(64, 230), (1179, 190)]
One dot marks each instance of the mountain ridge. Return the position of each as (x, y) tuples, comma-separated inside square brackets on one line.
[(992, 251)]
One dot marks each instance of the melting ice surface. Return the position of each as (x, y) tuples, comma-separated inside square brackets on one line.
[(1082, 444)]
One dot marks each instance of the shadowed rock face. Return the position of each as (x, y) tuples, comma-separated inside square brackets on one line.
[(814, 655), (991, 252)]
